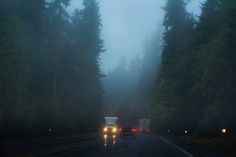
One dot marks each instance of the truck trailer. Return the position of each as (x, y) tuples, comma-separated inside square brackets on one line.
[(144, 125)]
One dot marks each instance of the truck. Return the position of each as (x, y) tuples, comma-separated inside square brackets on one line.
[(144, 125), (110, 128)]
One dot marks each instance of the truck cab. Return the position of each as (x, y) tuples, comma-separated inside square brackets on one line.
[(110, 128)]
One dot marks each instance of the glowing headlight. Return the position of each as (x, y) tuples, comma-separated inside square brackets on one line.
[(105, 129), (114, 130), (223, 131)]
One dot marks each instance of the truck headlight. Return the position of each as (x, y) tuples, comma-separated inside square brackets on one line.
[(105, 129), (114, 130)]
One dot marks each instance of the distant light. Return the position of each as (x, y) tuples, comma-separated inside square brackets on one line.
[(223, 131), (186, 131), (168, 130), (49, 130), (114, 136)]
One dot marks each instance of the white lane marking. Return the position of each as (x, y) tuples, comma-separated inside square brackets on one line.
[(121, 150), (177, 147)]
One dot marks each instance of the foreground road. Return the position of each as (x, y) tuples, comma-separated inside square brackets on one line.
[(143, 146), (146, 145), (139, 146)]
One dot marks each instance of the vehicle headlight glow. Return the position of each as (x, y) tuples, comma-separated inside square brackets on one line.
[(105, 129), (114, 130), (223, 131)]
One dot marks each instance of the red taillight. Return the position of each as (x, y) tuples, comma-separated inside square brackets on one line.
[(133, 129)]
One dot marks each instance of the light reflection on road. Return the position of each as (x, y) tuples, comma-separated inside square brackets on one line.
[(109, 140)]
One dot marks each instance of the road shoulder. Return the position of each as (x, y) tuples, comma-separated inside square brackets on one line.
[(196, 148)]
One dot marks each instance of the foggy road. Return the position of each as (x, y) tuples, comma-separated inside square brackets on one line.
[(138, 146), (141, 145), (76, 75)]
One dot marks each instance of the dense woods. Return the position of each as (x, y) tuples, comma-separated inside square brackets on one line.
[(195, 88), (49, 66)]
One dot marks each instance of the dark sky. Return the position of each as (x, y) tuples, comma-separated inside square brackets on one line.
[(127, 24)]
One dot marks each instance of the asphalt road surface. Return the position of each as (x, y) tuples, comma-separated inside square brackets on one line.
[(144, 145), (138, 146)]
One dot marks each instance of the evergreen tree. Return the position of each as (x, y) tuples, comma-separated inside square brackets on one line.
[(49, 65), (21, 21), (90, 48), (54, 39), (174, 74), (196, 88), (218, 68)]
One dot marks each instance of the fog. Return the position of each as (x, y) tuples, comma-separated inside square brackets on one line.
[(65, 65), (126, 25), (132, 33)]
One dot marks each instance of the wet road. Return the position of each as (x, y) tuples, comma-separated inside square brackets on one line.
[(138, 146), (144, 145)]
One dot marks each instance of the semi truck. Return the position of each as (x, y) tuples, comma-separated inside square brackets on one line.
[(144, 125), (110, 128)]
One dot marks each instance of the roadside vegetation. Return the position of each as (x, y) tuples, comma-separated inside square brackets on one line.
[(49, 67), (195, 89)]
